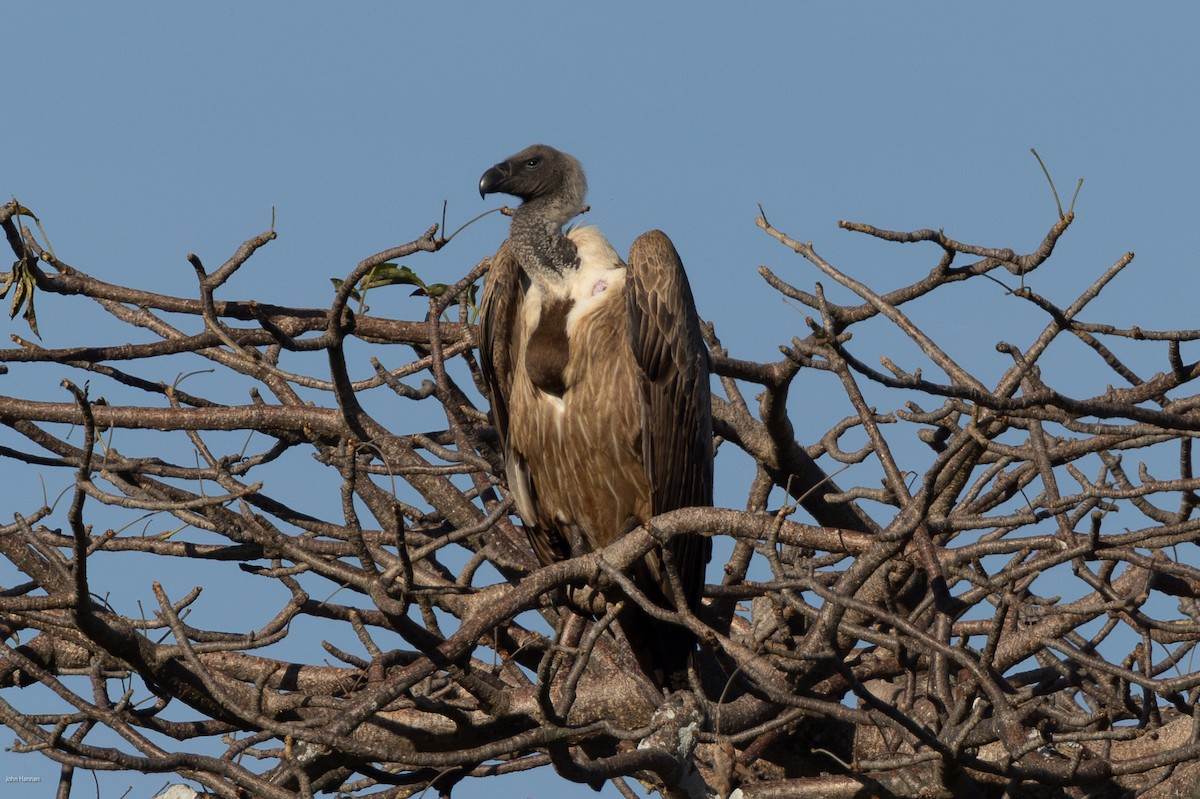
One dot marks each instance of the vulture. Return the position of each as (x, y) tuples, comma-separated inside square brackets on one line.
[(599, 383)]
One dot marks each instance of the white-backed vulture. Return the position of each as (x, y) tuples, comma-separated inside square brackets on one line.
[(599, 382)]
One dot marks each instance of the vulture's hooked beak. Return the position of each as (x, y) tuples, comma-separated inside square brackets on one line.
[(492, 178)]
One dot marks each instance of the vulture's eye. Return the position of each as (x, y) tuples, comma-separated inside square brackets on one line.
[(532, 163)]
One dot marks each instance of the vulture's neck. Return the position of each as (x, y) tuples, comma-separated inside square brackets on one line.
[(541, 247)]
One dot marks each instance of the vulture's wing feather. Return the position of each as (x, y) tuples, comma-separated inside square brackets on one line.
[(664, 330), (497, 315)]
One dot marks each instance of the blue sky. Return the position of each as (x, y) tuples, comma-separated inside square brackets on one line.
[(141, 132)]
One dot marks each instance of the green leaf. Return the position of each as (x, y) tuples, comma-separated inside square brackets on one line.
[(438, 289), (380, 276), (12, 278), (431, 290), (18, 298), (29, 316), (23, 279), (391, 275), (337, 286)]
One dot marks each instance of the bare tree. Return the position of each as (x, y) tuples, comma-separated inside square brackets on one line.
[(978, 623)]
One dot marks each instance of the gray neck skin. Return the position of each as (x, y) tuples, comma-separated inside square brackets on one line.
[(541, 247)]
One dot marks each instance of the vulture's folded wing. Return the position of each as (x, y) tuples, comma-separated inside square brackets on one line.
[(664, 330), (497, 315)]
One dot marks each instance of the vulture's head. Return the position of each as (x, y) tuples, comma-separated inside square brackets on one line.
[(538, 173)]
